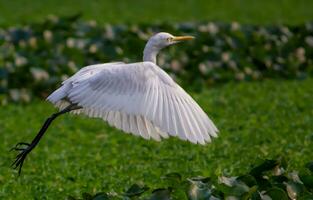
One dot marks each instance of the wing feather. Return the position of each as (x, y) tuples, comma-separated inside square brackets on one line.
[(173, 130), (165, 113), (138, 98), (186, 120), (179, 122), (151, 130), (142, 130), (125, 123), (196, 128)]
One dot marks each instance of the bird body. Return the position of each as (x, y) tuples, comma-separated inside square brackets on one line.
[(138, 98)]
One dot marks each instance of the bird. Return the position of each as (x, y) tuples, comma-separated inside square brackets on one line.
[(138, 98)]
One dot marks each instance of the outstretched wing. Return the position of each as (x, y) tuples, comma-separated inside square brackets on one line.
[(139, 98)]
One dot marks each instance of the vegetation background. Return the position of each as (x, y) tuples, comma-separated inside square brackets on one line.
[(257, 120), (138, 11)]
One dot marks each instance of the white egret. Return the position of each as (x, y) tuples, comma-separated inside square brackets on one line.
[(138, 98)]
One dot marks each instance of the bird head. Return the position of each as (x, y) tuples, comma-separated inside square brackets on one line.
[(158, 42), (162, 39)]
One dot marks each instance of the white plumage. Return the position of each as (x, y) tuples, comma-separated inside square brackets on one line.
[(138, 98)]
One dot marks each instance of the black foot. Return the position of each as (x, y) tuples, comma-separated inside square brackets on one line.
[(23, 149)]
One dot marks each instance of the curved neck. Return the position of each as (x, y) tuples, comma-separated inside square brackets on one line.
[(150, 53)]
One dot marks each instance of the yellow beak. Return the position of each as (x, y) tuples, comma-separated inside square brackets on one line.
[(182, 38)]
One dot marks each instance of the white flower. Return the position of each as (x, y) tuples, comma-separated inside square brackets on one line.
[(300, 54), (175, 66), (286, 31), (309, 41), (143, 36), (33, 42), (39, 74), (14, 94), (119, 50), (70, 42), (24, 95), (109, 33), (212, 28), (72, 66), (64, 77), (93, 48), (80, 43), (256, 75), (235, 26), (19, 94), (92, 23), (284, 38), (22, 43), (161, 60), (232, 65), (240, 76), (205, 48), (225, 57), (47, 35), (203, 68), (248, 70), (20, 61), (53, 18)]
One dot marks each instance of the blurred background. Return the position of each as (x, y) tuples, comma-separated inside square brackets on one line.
[(250, 68), (42, 43)]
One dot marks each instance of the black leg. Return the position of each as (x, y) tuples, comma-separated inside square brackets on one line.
[(25, 148)]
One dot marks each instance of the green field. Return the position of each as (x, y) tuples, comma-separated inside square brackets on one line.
[(245, 11), (256, 120)]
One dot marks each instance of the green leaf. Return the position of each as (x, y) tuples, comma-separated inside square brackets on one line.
[(232, 187), (283, 162), (307, 181), (252, 194), (100, 196), (161, 194), (278, 179), (248, 180), (310, 166), (306, 197), (173, 176), (200, 188), (277, 193), (173, 180), (263, 167), (87, 196), (71, 198), (136, 190), (294, 189), (204, 180)]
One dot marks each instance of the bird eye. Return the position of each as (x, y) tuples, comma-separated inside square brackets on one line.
[(169, 39)]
